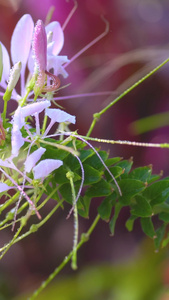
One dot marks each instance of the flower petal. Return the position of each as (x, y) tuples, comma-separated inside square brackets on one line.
[(3, 187), (45, 167), (56, 63), (6, 64), (33, 158), (17, 142), (58, 115), (33, 108), (21, 40), (58, 36)]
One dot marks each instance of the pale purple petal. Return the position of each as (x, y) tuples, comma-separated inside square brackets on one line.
[(6, 64), (58, 36), (31, 62), (33, 108), (18, 120), (33, 158), (7, 164), (56, 63), (58, 115), (3, 187), (21, 40), (17, 142), (45, 167), (39, 46)]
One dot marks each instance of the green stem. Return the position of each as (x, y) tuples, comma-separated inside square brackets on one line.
[(96, 116), (84, 238), (128, 143), (70, 176)]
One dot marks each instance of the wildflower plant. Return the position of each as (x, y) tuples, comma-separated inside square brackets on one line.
[(37, 165)]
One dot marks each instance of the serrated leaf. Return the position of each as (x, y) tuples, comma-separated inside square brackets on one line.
[(142, 173), (112, 223), (91, 175), (99, 189), (157, 192), (141, 207), (105, 208), (129, 188), (148, 227)]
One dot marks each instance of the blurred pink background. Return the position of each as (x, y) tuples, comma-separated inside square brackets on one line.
[(136, 43)]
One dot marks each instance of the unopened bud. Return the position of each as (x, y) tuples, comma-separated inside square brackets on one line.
[(13, 79)]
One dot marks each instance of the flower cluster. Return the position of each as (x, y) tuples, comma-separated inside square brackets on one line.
[(35, 48)]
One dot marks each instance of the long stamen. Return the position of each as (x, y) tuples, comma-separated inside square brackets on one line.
[(70, 15), (20, 189), (90, 44)]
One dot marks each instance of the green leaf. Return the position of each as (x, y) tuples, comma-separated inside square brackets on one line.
[(86, 153), (141, 207), (105, 208), (160, 232), (99, 189), (116, 172), (130, 223), (66, 192), (125, 165), (83, 206), (60, 175), (112, 223), (129, 188), (112, 161), (165, 241), (142, 173), (95, 162), (157, 192), (164, 216), (148, 227), (91, 175)]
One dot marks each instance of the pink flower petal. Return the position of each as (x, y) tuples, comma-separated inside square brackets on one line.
[(58, 36), (45, 167), (58, 115), (21, 40), (33, 158)]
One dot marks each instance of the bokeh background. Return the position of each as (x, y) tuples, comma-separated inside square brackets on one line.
[(124, 266)]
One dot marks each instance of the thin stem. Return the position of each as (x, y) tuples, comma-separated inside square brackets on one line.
[(84, 238), (128, 143), (70, 176), (97, 116)]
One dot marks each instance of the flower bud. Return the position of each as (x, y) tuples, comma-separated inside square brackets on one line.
[(13, 79)]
